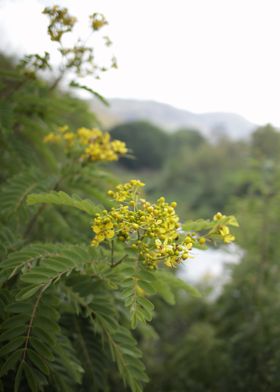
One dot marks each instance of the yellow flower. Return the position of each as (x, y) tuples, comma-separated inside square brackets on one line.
[(152, 230), (202, 240), (91, 144), (224, 230), (218, 216), (226, 234), (229, 238), (126, 191), (69, 137), (119, 147), (63, 128), (52, 138)]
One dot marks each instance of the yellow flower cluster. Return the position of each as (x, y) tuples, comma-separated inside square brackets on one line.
[(52, 138), (222, 229), (151, 229), (126, 191), (97, 21), (61, 22), (90, 144)]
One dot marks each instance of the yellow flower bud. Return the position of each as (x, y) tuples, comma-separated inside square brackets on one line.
[(202, 240), (218, 216)]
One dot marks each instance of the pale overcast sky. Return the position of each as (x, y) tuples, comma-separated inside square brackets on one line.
[(200, 55)]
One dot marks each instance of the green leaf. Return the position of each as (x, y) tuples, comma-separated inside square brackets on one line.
[(175, 283), (128, 358), (15, 321), (19, 307), (198, 225), (165, 291), (30, 377), (41, 348), (38, 361), (36, 277), (136, 285), (62, 198), (69, 358), (27, 292), (11, 346), (43, 335), (11, 362), (74, 84), (18, 377), (10, 333), (14, 192), (147, 287)]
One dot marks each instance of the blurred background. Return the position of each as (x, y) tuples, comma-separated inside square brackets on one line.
[(194, 93)]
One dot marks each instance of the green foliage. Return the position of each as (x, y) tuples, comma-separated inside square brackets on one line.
[(90, 90), (15, 190), (75, 317), (186, 139), (266, 143), (199, 174), (137, 284), (61, 198), (230, 340), (148, 143), (71, 314)]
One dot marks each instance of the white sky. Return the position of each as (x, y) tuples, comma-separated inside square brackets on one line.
[(200, 55)]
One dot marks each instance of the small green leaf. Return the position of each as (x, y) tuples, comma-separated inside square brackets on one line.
[(38, 361), (11, 333), (74, 84), (27, 292), (30, 377), (18, 377), (34, 277), (15, 321), (146, 303), (198, 225), (43, 335), (62, 198), (11, 362), (147, 287), (41, 348), (11, 346)]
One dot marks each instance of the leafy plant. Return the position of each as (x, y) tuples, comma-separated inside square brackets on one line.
[(72, 312)]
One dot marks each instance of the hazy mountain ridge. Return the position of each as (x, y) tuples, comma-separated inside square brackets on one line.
[(171, 118)]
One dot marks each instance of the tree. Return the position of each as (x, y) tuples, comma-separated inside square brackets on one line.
[(230, 343), (148, 143)]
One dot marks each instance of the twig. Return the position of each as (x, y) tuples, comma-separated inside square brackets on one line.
[(118, 262), (112, 252)]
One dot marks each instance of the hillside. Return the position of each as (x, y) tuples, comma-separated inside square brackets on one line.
[(171, 118)]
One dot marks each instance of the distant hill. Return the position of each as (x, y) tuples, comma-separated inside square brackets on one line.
[(171, 118)]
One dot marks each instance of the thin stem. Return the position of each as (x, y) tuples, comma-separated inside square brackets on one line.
[(33, 220), (112, 252), (62, 69), (30, 325), (35, 217), (57, 80), (84, 349), (119, 262)]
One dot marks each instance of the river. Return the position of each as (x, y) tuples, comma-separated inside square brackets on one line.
[(210, 265)]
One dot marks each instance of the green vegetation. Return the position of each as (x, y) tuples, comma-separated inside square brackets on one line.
[(230, 343), (199, 174), (69, 308), (148, 144), (89, 297), (80, 267)]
